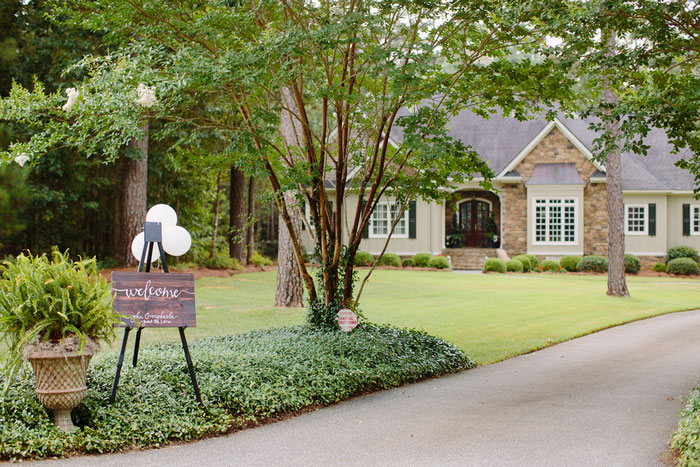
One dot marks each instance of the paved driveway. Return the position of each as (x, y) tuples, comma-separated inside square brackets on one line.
[(607, 399)]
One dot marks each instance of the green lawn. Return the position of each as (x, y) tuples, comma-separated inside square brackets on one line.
[(491, 317)]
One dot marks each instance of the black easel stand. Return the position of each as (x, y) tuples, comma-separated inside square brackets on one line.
[(152, 236)]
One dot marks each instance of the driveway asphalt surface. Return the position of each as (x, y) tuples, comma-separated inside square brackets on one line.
[(608, 399)]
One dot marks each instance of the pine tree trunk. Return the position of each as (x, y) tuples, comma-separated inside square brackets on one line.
[(617, 286), (250, 234), (217, 204), (289, 287), (132, 206), (237, 215)]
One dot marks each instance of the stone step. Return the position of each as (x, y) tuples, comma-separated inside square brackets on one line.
[(469, 258)]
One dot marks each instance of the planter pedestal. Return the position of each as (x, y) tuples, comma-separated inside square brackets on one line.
[(60, 382)]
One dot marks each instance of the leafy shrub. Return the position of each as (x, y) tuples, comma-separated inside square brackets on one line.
[(260, 260), (682, 267), (105, 263), (515, 265), (495, 265), (525, 261), (549, 265), (632, 264), (389, 259), (681, 252), (533, 261), (407, 263), (221, 260), (421, 260), (593, 263), (362, 258), (685, 439), (243, 378), (659, 267), (569, 262), (438, 262)]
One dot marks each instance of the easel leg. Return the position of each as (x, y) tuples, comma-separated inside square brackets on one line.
[(136, 346), (120, 362), (189, 364)]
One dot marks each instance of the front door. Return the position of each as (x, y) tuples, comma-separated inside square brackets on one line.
[(474, 217)]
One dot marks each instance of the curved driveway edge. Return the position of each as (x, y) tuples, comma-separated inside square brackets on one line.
[(607, 399)]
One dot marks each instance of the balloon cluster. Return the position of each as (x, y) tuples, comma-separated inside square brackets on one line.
[(176, 240)]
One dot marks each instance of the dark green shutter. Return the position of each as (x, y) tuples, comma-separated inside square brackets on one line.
[(365, 233), (652, 219), (686, 220), (411, 219)]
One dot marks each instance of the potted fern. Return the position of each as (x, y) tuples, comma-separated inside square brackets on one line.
[(53, 312)]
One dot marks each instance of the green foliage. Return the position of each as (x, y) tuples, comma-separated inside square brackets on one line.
[(533, 261), (686, 438), (632, 264), (659, 267), (494, 265), (549, 265), (525, 261), (222, 260), (260, 260), (438, 262), (389, 259), (242, 378), (682, 267), (515, 265), (681, 252), (421, 260), (569, 262), (362, 258), (407, 263), (49, 300), (592, 263)]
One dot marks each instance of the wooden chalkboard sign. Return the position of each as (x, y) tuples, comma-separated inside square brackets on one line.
[(154, 300)]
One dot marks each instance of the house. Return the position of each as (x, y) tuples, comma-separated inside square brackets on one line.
[(549, 198)]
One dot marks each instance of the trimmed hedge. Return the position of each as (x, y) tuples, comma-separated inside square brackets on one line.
[(659, 267), (389, 259), (593, 263), (438, 262), (407, 263), (632, 264), (549, 265), (494, 265), (421, 260), (362, 258), (569, 262), (683, 267), (681, 252), (515, 265), (686, 438), (243, 378), (525, 261), (533, 261)]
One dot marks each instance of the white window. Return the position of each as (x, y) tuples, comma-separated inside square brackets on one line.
[(382, 218), (695, 220), (555, 221), (636, 219)]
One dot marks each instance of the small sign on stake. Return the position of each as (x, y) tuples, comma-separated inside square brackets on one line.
[(347, 320)]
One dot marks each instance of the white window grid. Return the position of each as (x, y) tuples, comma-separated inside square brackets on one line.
[(636, 219), (695, 220), (382, 218), (555, 221)]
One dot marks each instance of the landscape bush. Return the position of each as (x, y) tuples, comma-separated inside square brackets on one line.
[(222, 260), (682, 267), (632, 264), (260, 260), (533, 261), (494, 265), (421, 260), (362, 258), (407, 263), (686, 439), (569, 262), (549, 265), (515, 265), (681, 252), (438, 262), (659, 267), (389, 259), (243, 379), (593, 263), (525, 261)]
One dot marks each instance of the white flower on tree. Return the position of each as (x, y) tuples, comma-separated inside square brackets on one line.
[(147, 95), (22, 159), (72, 94)]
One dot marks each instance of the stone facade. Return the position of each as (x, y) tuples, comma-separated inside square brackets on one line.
[(555, 148)]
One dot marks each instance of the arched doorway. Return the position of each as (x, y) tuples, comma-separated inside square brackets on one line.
[(473, 219)]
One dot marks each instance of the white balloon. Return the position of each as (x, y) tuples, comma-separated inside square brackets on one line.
[(176, 240), (137, 248), (162, 213)]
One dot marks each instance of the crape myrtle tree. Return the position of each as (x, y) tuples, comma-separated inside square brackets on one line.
[(355, 71)]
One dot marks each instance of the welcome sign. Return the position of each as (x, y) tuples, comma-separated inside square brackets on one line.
[(154, 300)]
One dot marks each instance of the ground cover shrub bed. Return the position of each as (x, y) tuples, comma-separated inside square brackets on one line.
[(549, 265), (243, 379), (686, 439)]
